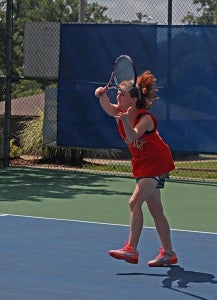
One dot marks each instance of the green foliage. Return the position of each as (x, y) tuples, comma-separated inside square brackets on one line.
[(64, 11), (2, 37), (31, 136), (95, 13), (15, 151), (26, 88), (31, 139), (207, 10)]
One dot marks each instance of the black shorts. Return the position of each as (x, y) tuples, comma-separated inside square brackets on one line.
[(160, 180)]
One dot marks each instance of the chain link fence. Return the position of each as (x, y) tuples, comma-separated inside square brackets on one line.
[(150, 11), (33, 82)]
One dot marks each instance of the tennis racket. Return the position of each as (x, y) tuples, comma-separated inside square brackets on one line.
[(124, 75)]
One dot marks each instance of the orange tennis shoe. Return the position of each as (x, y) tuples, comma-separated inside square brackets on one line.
[(126, 253), (164, 259)]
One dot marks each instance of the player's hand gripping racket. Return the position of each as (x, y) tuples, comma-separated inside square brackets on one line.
[(124, 75)]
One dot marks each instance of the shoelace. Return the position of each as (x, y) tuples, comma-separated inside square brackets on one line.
[(128, 248), (162, 253)]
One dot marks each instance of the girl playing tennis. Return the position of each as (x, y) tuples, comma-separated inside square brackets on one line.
[(151, 159)]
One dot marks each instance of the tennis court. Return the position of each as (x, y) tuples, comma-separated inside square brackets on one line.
[(57, 227)]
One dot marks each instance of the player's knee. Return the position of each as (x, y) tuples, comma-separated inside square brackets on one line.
[(134, 204)]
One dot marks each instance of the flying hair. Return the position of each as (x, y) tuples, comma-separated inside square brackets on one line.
[(145, 90)]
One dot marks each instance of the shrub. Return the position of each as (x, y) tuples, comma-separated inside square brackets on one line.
[(31, 140), (31, 136), (15, 151)]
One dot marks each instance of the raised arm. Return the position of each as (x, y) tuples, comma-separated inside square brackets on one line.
[(107, 106)]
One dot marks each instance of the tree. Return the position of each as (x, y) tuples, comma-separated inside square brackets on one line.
[(41, 11), (24, 11), (207, 11), (2, 36)]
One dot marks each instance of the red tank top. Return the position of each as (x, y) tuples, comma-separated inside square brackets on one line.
[(151, 156)]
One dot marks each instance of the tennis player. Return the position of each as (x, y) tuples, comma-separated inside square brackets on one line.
[(151, 159)]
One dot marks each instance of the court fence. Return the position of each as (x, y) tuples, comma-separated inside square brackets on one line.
[(29, 64)]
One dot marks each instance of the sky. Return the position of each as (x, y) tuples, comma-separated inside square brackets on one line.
[(156, 10)]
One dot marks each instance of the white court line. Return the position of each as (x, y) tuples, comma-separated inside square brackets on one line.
[(99, 223)]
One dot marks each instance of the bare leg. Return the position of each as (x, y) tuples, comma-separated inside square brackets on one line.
[(143, 190), (156, 209)]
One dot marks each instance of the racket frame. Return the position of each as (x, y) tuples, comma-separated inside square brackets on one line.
[(113, 82)]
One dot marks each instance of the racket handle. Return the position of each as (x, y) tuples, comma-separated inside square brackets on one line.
[(100, 91)]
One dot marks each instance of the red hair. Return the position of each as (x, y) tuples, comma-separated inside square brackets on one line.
[(145, 90)]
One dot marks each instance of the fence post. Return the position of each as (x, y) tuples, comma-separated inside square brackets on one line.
[(170, 12), (1, 148), (169, 50), (81, 14), (7, 117)]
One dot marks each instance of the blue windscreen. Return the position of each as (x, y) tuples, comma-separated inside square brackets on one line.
[(87, 55), (184, 60)]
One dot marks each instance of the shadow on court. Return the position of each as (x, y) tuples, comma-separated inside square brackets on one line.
[(179, 274), (32, 184), (181, 277)]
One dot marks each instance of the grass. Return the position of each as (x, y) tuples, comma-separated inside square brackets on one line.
[(108, 167), (199, 169), (202, 168), (196, 169)]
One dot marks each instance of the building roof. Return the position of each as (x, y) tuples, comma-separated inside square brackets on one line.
[(25, 106)]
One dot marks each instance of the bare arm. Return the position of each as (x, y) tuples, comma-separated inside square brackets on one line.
[(107, 106), (134, 133)]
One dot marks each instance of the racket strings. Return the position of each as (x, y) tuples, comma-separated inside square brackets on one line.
[(124, 72), (124, 76)]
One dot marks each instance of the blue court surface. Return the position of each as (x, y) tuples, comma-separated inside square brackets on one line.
[(62, 259)]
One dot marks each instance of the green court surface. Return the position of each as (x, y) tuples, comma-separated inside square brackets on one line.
[(73, 195)]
